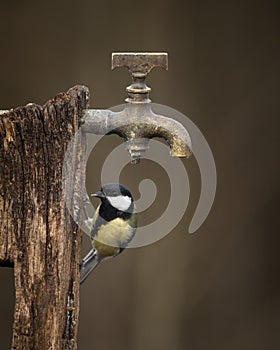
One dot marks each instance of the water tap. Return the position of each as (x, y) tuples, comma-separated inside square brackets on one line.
[(137, 123)]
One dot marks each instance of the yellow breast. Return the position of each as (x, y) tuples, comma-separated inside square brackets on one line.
[(112, 236)]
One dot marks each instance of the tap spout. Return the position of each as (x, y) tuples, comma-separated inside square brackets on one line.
[(136, 124)]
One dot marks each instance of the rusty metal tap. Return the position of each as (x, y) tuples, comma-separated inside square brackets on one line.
[(137, 123)]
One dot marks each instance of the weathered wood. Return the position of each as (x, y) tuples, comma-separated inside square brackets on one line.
[(37, 234)]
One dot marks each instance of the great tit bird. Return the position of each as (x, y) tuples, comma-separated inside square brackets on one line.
[(112, 227)]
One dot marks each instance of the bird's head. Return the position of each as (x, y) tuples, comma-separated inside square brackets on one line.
[(116, 195)]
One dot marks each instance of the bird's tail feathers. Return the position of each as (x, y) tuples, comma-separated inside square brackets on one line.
[(89, 263)]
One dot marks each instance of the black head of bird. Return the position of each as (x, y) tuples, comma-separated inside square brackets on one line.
[(116, 201)]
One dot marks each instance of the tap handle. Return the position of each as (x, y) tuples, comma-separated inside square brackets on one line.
[(139, 63)]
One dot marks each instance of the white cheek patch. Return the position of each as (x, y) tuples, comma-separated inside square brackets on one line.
[(120, 202)]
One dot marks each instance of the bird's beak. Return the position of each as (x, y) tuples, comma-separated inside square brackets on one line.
[(98, 194)]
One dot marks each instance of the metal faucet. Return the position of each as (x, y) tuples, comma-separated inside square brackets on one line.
[(137, 123)]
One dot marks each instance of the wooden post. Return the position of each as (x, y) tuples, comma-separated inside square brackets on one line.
[(37, 234)]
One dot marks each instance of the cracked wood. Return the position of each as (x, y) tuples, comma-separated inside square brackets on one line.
[(37, 234)]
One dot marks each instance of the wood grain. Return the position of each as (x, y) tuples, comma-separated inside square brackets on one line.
[(37, 234)]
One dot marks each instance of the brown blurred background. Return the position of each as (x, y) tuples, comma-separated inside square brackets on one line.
[(217, 289)]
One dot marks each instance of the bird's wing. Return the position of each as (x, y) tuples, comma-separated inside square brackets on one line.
[(133, 219)]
